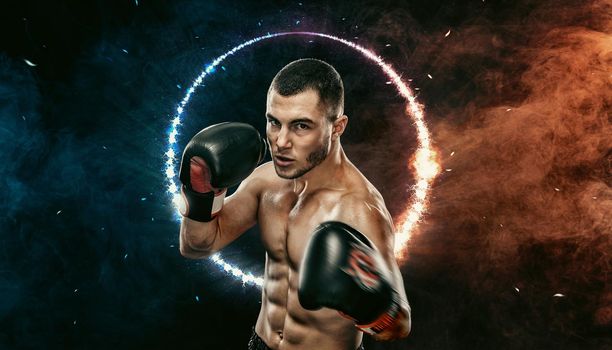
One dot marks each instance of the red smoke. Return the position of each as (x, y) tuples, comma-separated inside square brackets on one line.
[(522, 213), (527, 200)]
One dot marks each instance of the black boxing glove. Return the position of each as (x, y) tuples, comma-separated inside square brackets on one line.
[(218, 157), (341, 269)]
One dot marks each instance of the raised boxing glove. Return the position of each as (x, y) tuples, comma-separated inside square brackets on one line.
[(218, 157), (341, 269)]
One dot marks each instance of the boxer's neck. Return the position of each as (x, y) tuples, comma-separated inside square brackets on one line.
[(328, 174)]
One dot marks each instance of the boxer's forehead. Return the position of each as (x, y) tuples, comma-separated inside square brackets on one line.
[(305, 104)]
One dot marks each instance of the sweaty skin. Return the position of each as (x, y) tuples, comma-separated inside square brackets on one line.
[(310, 180)]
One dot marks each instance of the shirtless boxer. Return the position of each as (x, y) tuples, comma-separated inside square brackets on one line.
[(309, 182)]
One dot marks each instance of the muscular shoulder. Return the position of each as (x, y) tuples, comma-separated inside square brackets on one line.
[(363, 198), (261, 178), (364, 209), (264, 171)]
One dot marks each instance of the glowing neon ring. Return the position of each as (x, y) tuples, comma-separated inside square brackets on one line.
[(425, 164)]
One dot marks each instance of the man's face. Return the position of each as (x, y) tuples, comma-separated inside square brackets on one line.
[(298, 132)]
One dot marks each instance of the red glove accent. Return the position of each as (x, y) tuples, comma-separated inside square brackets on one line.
[(199, 175)]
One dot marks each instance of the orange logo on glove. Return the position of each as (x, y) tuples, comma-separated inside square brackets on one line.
[(361, 268)]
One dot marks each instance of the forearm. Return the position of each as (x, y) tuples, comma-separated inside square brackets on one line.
[(399, 287), (215, 159), (406, 320), (197, 238), (401, 325)]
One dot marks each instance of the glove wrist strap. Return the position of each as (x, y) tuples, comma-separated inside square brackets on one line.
[(201, 207), (384, 321)]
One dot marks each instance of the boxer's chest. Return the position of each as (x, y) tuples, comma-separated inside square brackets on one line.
[(287, 222)]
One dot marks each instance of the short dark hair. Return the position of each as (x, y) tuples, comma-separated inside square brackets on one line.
[(309, 73)]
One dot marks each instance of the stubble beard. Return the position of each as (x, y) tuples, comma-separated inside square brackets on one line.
[(315, 158)]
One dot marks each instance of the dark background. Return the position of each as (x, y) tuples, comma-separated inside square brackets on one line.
[(514, 252)]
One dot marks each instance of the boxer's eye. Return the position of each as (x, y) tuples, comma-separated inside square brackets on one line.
[(302, 126), (273, 122)]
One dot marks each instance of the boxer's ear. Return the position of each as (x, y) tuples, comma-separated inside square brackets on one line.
[(338, 126)]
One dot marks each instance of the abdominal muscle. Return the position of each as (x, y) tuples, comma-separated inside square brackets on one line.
[(284, 324)]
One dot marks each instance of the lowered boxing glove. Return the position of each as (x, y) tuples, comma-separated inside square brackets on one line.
[(218, 157), (341, 269)]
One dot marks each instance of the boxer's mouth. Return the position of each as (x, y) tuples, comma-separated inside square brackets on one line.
[(283, 161)]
